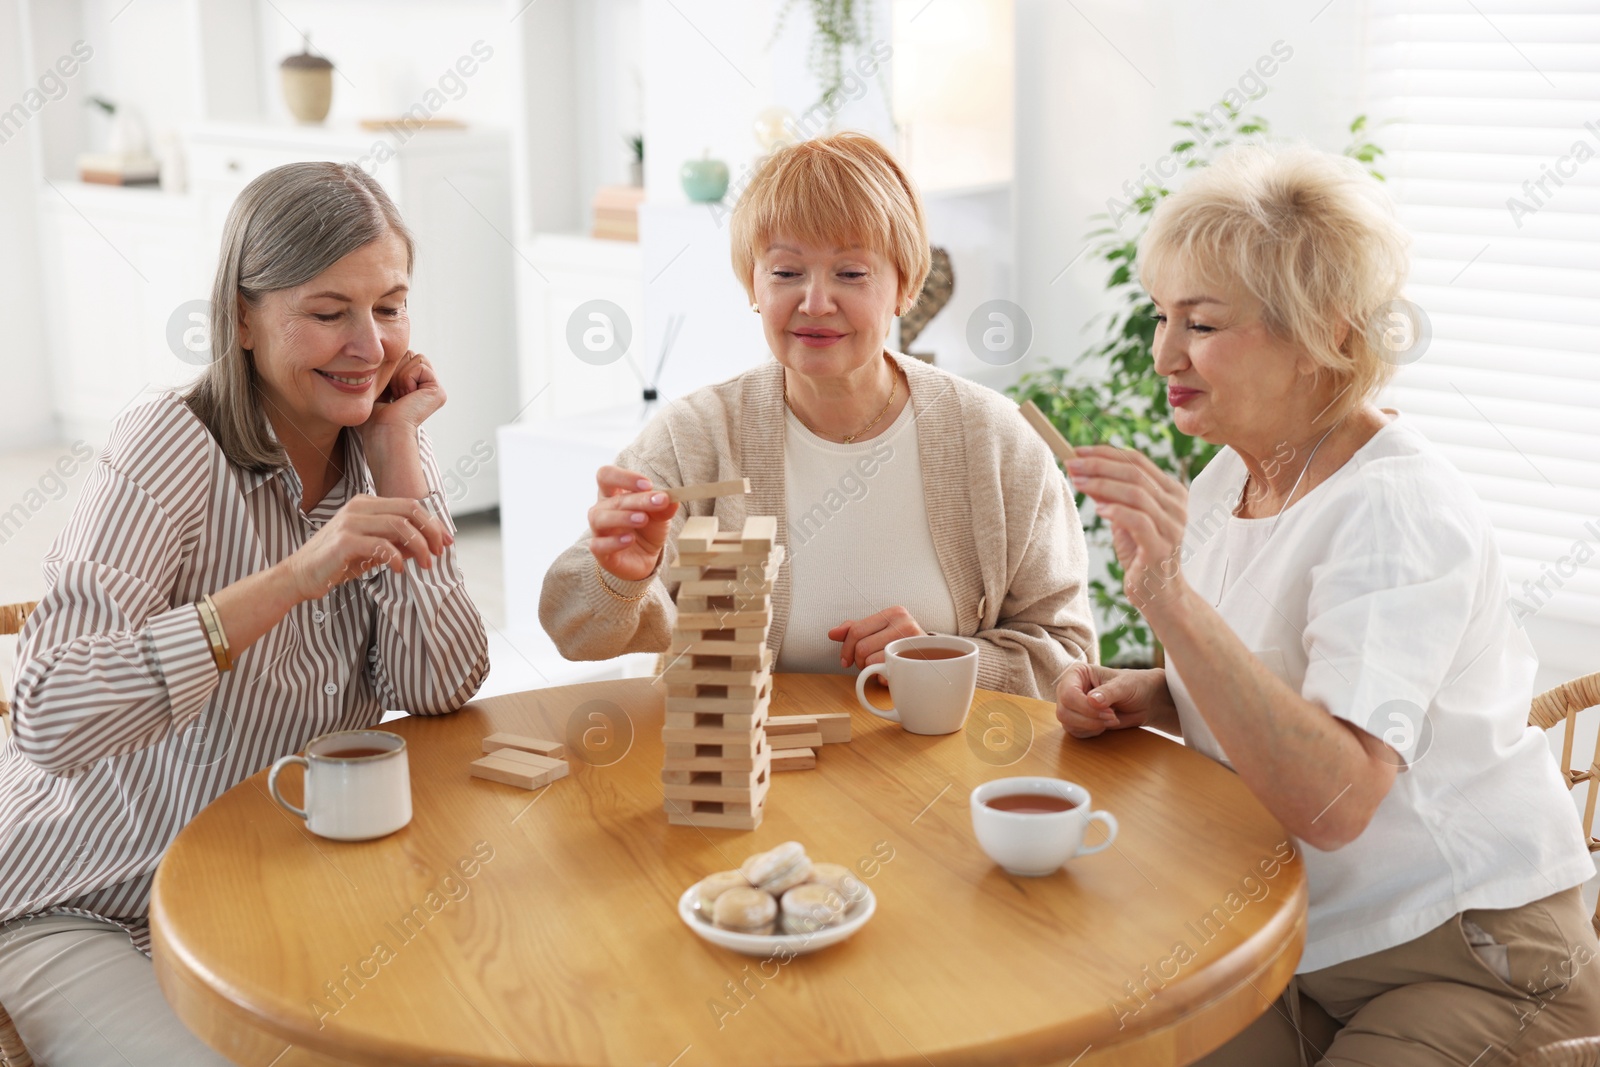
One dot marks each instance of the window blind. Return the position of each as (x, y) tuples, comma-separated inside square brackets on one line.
[(1490, 114)]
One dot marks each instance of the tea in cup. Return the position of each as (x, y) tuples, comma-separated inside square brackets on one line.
[(1031, 826), (358, 785), (931, 679)]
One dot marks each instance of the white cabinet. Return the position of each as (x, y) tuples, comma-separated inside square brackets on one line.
[(116, 264), (453, 189), (579, 298), (547, 485)]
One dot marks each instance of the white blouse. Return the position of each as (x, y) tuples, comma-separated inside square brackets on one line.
[(859, 540), (1379, 596)]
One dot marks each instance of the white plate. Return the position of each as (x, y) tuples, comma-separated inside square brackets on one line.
[(775, 944)]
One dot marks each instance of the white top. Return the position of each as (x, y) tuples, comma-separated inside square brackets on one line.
[(1380, 596), (859, 539)]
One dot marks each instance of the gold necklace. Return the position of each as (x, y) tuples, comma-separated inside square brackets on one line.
[(894, 384)]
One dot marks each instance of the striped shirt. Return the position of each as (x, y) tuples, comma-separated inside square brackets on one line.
[(124, 728)]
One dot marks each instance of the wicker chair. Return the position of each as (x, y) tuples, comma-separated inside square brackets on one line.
[(1579, 1052), (12, 1051), (1563, 703)]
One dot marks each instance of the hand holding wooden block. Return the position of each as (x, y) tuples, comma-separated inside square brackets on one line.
[(708, 490)]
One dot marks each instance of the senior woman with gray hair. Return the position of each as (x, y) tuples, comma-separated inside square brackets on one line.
[(263, 560), (1332, 606)]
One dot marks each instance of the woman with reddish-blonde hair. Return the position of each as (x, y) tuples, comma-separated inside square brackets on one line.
[(910, 501)]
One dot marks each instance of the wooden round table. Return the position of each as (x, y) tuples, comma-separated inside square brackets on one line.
[(508, 927)]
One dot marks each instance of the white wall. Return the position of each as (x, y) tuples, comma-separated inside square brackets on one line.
[(1098, 83), (713, 66), (22, 358)]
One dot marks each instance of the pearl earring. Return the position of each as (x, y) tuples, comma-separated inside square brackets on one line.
[(755, 308)]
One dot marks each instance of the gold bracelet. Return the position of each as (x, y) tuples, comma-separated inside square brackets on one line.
[(601, 578), (220, 651), (208, 621)]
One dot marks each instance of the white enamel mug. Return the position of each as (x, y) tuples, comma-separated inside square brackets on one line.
[(931, 696), (358, 784), (1036, 843)]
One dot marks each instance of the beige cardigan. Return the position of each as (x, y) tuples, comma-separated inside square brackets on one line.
[(1004, 527)]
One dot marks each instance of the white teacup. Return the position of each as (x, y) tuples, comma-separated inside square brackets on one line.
[(1035, 843), (358, 784), (931, 696)]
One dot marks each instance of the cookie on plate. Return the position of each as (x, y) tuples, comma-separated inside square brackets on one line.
[(745, 910), (811, 907), (840, 878), (778, 869), (709, 888)]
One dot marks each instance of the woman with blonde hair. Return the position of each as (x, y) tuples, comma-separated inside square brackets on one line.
[(1331, 602), (259, 562), (910, 500)]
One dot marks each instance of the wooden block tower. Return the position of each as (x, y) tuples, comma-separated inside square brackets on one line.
[(719, 675)]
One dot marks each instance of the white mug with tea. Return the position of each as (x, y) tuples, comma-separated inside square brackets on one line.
[(358, 785), (1031, 826), (931, 678)]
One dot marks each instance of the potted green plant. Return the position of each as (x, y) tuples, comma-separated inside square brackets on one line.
[(636, 160), (837, 26), (1112, 393)]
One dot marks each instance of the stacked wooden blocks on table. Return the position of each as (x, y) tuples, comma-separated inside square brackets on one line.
[(796, 739), (529, 762), (718, 765)]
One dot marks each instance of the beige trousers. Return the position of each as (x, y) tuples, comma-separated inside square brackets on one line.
[(1480, 990), (83, 996)]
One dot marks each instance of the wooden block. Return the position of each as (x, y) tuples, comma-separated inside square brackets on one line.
[(789, 742), (531, 760), (688, 675), (698, 534), (708, 691), (713, 720), (750, 586), (736, 757), (711, 735), (539, 747), (503, 767), (736, 821), (703, 604), (751, 638), (742, 795), (708, 491), (721, 556), (834, 727), (695, 645), (707, 763), (751, 574), (741, 748), (684, 672), (791, 724), (738, 621), (1047, 430), (717, 705), (794, 759), (739, 776), (760, 533)]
